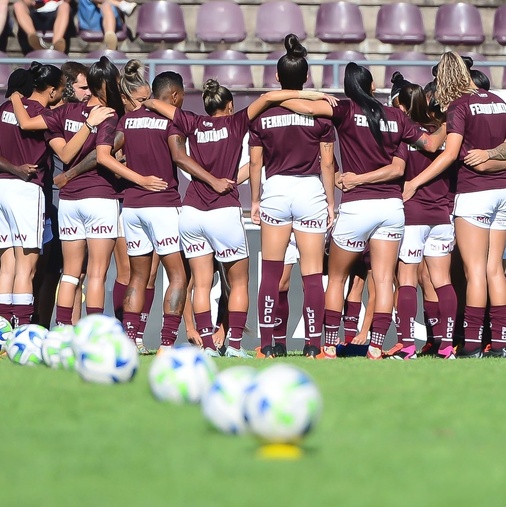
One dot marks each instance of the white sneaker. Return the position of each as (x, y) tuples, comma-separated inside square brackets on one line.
[(141, 348), (127, 7), (233, 352), (211, 352)]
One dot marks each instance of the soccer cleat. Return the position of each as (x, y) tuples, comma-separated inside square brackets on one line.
[(469, 354), (279, 350), (329, 352), (429, 349), (266, 352), (313, 352), (374, 353), (233, 352), (405, 353), (489, 352), (396, 348), (447, 352), (142, 349), (210, 352)]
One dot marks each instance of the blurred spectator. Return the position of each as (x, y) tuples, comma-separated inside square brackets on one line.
[(4, 15)]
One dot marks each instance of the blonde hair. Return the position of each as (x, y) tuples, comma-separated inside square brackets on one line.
[(453, 79), (132, 78)]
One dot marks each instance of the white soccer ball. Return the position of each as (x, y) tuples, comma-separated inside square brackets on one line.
[(25, 344), (182, 375), (58, 340), (5, 333), (282, 405), (92, 326), (223, 405), (107, 358)]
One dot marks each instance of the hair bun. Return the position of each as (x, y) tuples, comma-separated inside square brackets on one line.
[(131, 68), (397, 77), (468, 61), (211, 86), (294, 47)]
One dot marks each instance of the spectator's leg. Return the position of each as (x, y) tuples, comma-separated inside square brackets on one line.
[(60, 26), (4, 6), (109, 26), (24, 20)]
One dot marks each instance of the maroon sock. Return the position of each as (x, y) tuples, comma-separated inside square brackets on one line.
[(131, 323), (146, 309), (268, 297), (431, 318), (473, 327), (90, 310), (447, 312), (236, 323), (332, 324), (406, 315), (63, 315), (6, 311), (314, 304), (380, 325), (350, 319), (118, 295), (498, 327), (204, 325), (281, 320), (22, 314), (170, 328)]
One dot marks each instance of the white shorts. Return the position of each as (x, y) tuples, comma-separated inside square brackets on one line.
[(148, 229), (486, 208), (22, 207), (220, 231), (426, 240), (296, 200), (292, 254), (360, 221), (93, 218)]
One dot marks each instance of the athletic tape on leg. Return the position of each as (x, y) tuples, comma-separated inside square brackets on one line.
[(70, 279)]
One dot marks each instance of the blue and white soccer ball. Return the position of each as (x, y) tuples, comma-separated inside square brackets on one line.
[(57, 349), (107, 358), (93, 326), (5, 333), (282, 405), (182, 375), (223, 405), (25, 344)]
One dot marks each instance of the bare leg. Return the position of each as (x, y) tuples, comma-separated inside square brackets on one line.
[(99, 258)]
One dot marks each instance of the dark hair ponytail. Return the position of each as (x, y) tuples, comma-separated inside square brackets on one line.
[(413, 99), (215, 96), (105, 72), (45, 76), (293, 67), (357, 87)]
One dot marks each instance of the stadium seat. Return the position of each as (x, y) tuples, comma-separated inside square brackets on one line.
[(499, 32), (47, 54), (269, 80), (339, 22), (417, 75), (172, 54), (400, 23), (328, 71), (161, 22), (478, 60), (276, 19), (112, 54), (98, 36), (5, 72), (220, 21), (233, 76), (459, 23)]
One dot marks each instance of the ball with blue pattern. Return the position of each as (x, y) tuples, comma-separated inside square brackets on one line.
[(24, 346), (5, 333)]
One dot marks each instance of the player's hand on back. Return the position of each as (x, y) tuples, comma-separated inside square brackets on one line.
[(98, 114), (476, 157), (255, 213), (331, 100), (223, 185), (26, 171), (153, 183)]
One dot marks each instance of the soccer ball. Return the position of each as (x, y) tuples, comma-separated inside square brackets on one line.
[(5, 333), (25, 343), (181, 375), (92, 326), (58, 340), (282, 405), (107, 358), (223, 404)]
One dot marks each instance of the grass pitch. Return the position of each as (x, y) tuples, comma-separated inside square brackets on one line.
[(423, 433)]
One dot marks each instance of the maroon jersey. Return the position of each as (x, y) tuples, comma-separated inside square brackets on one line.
[(361, 154), (147, 152), (215, 144), (430, 204), (20, 146), (290, 141), (64, 122), (480, 118)]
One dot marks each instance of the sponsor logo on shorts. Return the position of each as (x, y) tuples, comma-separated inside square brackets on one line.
[(394, 235), (21, 237), (228, 252), (483, 220), (168, 241), (312, 224), (132, 245), (197, 247), (268, 219), (354, 243), (101, 229), (3, 237), (414, 253), (69, 231)]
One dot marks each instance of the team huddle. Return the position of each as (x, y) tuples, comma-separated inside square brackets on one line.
[(417, 179)]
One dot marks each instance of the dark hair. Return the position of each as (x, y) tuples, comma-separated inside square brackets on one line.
[(132, 78), (293, 67), (398, 82), (71, 71), (215, 96), (413, 98), (480, 79), (45, 76), (164, 80), (105, 72), (357, 87), (20, 81)]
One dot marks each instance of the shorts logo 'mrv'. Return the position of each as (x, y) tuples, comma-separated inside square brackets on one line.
[(313, 224), (227, 252), (483, 220), (197, 247), (168, 241), (394, 235), (355, 243), (101, 229), (414, 253), (132, 245), (69, 231), (20, 237), (3, 238), (268, 219)]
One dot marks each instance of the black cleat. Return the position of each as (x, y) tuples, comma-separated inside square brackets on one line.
[(488, 352), (429, 350), (279, 350), (312, 352), (266, 352), (469, 354)]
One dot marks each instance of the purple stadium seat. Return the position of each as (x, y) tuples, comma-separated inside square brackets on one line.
[(233, 76), (339, 22), (499, 33), (276, 19), (328, 71), (417, 75), (46, 54), (93, 36), (400, 23), (459, 23), (478, 60), (269, 80), (172, 54), (220, 21), (161, 22), (112, 54), (5, 71)]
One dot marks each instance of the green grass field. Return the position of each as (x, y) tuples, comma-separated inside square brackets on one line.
[(424, 433)]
